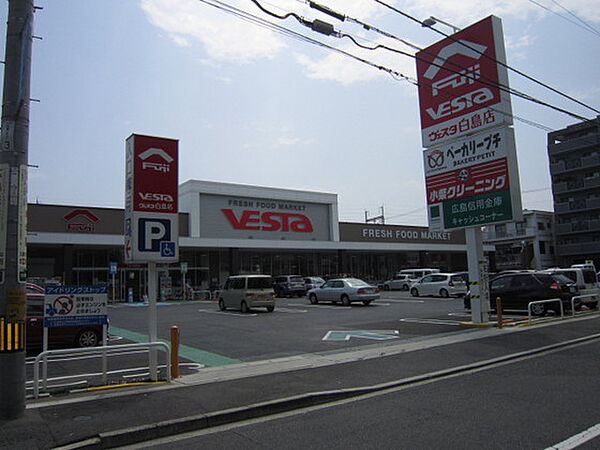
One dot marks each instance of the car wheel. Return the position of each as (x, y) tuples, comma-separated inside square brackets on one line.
[(539, 309), (270, 308), (444, 293), (244, 307), (313, 299), (414, 292), (345, 300), (386, 287), (87, 338), (222, 305), (366, 302)]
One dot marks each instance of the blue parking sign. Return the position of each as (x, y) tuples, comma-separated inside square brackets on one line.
[(167, 249)]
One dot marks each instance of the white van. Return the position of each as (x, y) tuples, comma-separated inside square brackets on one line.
[(247, 291), (586, 281), (417, 273)]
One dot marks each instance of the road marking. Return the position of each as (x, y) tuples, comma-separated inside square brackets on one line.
[(578, 439), (377, 335), (431, 321), (402, 300), (338, 307), (193, 354), (228, 313), (290, 310)]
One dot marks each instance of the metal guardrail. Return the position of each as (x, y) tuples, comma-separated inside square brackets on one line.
[(551, 300), (102, 351), (580, 297)]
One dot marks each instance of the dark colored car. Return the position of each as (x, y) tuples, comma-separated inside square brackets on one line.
[(72, 336), (289, 286), (516, 290)]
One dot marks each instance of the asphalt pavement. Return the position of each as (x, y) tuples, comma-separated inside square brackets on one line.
[(225, 394)]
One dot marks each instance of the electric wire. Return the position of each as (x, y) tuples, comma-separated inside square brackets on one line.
[(579, 19), (330, 31), (394, 74), (585, 26), (530, 78)]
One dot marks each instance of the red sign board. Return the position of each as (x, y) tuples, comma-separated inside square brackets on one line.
[(156, 179), (458, 83)]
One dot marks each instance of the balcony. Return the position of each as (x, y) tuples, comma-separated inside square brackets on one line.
[(493, 236), (590, 161), (581, 226), (572, 144), (580, 249), (591, 182)]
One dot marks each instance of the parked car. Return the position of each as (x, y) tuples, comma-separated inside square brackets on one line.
[(344, 290), (586, 281), (516, 290), (69, 336), (417, 273), (313, 282), (442, 284), (289, 286), (400, 281), (247, 291)]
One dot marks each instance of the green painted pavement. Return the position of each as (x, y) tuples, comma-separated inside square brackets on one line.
[(193, 354)]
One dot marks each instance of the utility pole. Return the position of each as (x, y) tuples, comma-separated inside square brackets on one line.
[(14, 143)]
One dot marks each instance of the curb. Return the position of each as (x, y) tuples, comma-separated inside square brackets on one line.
[(129, 436)]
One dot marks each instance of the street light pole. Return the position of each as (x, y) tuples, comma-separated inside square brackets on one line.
[(14, 141)]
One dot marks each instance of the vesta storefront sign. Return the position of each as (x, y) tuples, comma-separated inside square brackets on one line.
[(223, 216), (269, 221)]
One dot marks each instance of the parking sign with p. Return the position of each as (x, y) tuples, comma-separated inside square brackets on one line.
[(151, 207)]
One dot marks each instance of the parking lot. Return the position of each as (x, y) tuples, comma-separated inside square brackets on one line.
[(214, 337)]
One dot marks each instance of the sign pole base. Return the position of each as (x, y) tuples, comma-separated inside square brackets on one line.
[(479, 311)]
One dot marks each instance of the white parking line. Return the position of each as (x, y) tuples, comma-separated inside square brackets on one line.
[(338, 307), (402, 300), (228, 313), (431, 321), (290, 310), (578, 439)]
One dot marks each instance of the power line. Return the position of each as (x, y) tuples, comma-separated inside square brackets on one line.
[(530, 78), (329, 30), (585, 25)]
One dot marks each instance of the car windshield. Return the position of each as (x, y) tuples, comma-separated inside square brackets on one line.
[(296, 280), (260, 283), (355, 282)]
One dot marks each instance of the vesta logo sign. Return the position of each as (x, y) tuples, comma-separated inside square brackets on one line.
[(150, 197), (269, 221)]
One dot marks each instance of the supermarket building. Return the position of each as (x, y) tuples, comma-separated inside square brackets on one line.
[(230, 229)]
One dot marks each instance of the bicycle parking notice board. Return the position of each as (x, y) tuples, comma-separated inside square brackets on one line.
[(75, 306)]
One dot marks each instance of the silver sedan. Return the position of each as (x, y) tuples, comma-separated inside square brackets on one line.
[(345, 290)]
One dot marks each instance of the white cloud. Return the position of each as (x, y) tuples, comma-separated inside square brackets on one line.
[(224, 37)]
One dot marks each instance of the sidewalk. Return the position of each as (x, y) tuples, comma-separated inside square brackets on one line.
[(250, 389)]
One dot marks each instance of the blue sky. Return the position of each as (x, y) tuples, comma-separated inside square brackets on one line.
[(253, 107)]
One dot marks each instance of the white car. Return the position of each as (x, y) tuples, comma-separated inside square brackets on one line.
[(442, 284), (344, 290), (400, 281)]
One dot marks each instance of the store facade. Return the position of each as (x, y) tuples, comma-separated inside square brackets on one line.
[(229, 229)]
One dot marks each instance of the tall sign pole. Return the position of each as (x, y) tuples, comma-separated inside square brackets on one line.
[(470, 160), (13, 207), (151, 214)]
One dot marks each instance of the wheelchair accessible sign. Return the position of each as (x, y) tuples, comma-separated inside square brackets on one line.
[(75, 306)]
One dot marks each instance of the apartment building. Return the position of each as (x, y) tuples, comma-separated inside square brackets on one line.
[(526, 244), (574, 154)]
